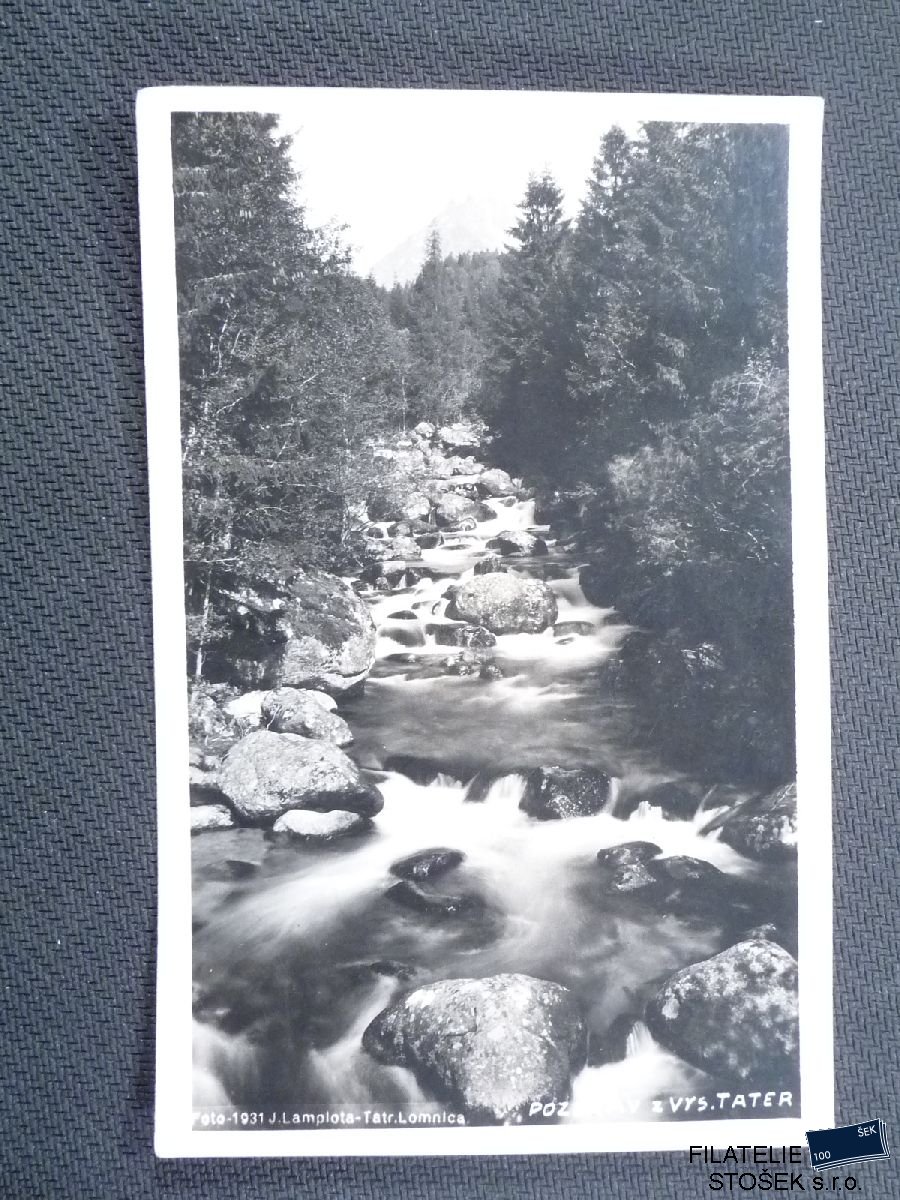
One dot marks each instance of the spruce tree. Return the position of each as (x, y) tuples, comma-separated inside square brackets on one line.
[(242, 247), (289, 368), (443, 360), (525, 379), (678, 274)]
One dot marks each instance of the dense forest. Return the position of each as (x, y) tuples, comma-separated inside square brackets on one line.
[(629, 364)]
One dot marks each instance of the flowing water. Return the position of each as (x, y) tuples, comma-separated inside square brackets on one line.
[(297, 948)]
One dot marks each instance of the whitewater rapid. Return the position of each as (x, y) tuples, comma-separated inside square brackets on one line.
[(313, 908)]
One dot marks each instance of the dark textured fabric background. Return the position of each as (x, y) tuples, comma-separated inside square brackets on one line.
[(77, 830)]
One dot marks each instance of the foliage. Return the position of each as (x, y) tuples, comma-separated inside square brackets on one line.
[(702, 523), (290, 368), (444, 313), (679, 271), (672, 277), (715, 487), (525, 374)]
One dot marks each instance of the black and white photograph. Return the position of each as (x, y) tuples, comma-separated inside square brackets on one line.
[(487, 498)]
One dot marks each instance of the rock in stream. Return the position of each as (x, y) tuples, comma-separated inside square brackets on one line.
[(734, 1014), (504, 603), (492, 1047), (266, 774)]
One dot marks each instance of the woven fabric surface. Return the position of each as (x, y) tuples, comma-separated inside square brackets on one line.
[(77, 850)]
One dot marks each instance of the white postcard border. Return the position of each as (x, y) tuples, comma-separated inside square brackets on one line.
[(174, 1136)]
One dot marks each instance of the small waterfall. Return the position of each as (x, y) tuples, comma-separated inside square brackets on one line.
[(570, 595), (702, 818), (222, 1065), (645, 810), (521, 515), (704, 800), (344, 1070), (615, 787), (442, 780), (625, 1090), (711, 808), (640, 1041), (506, 792)]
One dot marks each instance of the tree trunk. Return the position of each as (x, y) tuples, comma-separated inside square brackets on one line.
[(204, 627)]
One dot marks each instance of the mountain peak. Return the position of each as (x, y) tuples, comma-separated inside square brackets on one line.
[(476, 223)]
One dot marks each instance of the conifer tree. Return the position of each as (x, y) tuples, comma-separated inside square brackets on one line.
[(678, 274), (289, 367), (445, 352), (526, 369)]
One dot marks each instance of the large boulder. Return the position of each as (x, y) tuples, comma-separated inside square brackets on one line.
[(246, 710), (205, 817), (292, 710), (496, 483), (311, 631), (492, 1047), (683, 886), (734, 1015), (305, 825), (383, 576), (517, 541), (627, 854), (329, 636), (407, 529), (453, 509), (463, 437), (427, 864), (416, 507), (266, 774), (555, 792), (633, 876), (488, 565), (693, 885), (504, 603), (405, 459), (470, 637), (405, 547), (440, 468), (211, 728), (399, 548), (463, 469), (436, 487), (763, 828)]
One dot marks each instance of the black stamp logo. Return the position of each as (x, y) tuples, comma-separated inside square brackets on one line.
[(847, 1143)]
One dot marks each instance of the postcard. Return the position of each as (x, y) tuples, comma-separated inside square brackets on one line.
[(490, 618)]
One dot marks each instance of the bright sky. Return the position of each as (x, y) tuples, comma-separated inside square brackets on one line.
[(385, 163)]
